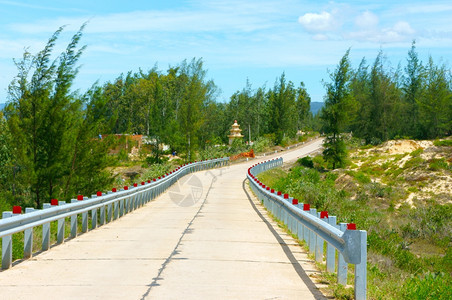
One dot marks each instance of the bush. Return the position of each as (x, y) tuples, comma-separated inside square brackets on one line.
[(306, 162), (262, 144), (151, 160)]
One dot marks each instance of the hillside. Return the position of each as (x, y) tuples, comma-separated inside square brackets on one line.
[(316, 107), (399, 192)]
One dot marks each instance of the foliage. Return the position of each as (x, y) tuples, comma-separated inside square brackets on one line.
[(413, 102), (56, 152)]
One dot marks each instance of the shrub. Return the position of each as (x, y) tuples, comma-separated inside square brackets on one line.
[(306, 162)]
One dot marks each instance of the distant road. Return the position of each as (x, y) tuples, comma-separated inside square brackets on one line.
[(202, 239)]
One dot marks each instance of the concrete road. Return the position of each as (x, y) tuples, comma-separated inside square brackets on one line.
[(203, 239)]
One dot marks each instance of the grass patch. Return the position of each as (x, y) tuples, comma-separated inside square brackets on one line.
[(443, 143)]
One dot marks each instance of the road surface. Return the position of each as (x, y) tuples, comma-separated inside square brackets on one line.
[(205, 238)]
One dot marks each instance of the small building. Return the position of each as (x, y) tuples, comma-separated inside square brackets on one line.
[(235, 132)]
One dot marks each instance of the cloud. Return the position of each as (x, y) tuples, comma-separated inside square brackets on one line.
[(317, 23), (366, 20)]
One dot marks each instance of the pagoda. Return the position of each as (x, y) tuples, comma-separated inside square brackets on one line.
[(235, 132)]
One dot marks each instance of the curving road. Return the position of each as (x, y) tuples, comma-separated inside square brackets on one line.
[(203, 239)]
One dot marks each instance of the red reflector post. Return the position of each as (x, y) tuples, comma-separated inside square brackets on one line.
[(80, 197), (306, 206), (17, 210), (54, 202), (323, 214)]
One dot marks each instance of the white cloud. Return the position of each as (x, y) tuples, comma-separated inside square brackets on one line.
[(403, 28), (366, 20), (316, 23)]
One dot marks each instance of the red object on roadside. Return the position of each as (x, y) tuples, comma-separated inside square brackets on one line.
[(279, 193), (306, 206), (80, 197), (351, 226), (54, 202), (294, 201), (99, 194), (17, 210), (126, 188), (323, 214), (113, 190), (286, 196)]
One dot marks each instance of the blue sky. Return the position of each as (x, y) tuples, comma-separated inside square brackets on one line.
[(237, 40)]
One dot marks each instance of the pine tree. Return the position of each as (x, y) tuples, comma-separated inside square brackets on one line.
[(334, 113)]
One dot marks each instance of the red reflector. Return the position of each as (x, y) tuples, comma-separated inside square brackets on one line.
[(17, 210), (294, 201), (286, 196), (323, 214), (306, 206), (80, 197), (351, 226), (99, 194)]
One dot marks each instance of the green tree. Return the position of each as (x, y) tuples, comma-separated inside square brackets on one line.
[(41, 114), (283, 109), (334, 112), (413, 90), (435, 106), (303, 104)]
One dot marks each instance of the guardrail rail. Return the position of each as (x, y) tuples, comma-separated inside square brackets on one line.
[(110, 206), (316, 228)]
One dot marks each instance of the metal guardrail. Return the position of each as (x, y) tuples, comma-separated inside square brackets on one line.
[(110, 206), (316, 228)]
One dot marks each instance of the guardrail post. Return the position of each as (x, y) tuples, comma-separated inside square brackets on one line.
[(74, 222), (330, 250), (46, 231), (28, 237), (110, 209), (85, 219), (60, 232), (319, 245), (342, 266), (93, 215), (312, 235), (361, 269), (7, 245)]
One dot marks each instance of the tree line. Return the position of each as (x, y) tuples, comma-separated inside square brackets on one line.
[(49, 134), (377, 103)]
